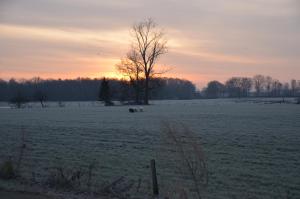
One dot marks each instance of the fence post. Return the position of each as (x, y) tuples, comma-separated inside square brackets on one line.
[(154, 178)]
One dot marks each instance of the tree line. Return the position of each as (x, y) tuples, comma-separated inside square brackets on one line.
[(86, 89), (257, 86)]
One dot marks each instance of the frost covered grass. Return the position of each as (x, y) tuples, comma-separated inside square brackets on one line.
[(187, 151), (252, 149)]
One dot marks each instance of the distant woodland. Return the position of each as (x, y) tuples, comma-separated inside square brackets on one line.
[(86, 89), (258, 86)]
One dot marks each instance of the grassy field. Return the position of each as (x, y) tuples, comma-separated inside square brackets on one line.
[(21, 195), (252, 148)]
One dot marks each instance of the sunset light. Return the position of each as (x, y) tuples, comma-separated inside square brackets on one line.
[(81, 42), (159, 99)]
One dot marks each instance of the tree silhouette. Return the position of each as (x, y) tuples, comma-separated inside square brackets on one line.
[(148, 45), (133, 71), (214, 89), (104, 94), (41, 97), (18, 99), (259, 83)]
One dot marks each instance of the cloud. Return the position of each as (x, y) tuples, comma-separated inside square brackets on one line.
[(206, 38), (41, 33)]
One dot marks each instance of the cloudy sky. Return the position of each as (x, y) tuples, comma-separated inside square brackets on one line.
[(208, 39)]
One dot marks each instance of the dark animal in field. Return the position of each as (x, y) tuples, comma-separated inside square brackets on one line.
[(133, 110)]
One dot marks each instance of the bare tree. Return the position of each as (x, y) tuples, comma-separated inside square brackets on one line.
[(246, 85), (233, 86), (259, 82), (293, 87), (148, 45), (41, 97), (132, 70), (214, 89), (276, 88), (39, 94), (268, 84), (285, 91), (19, 99)]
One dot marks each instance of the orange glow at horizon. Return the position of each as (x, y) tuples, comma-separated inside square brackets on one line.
[(87, 66), (110, 72), (69, 54)]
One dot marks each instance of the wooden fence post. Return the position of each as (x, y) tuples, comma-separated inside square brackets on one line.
[(154, 178)]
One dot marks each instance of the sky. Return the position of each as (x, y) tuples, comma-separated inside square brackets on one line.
[(207, 39)]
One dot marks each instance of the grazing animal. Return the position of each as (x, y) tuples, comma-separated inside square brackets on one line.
[(134, 109)]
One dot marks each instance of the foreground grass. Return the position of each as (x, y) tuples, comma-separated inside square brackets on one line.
[(22, 195)]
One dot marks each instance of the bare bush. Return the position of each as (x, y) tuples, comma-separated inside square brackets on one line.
[(11, 168), (22, 148), (121, 188), (66, 179), (72, 178), (18, 100), (91, 168), (191, 156), (7, 170)]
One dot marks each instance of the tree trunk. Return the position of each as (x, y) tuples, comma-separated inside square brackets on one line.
[(137, 94), (137, 88), (146, 98), (41, 101)]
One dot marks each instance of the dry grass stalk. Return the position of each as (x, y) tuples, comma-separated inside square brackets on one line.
[(22, 151), (190, 154)]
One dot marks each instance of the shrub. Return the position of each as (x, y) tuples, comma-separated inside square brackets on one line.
[(189, 152), (66, 179), (7, 170), (18, 100)]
